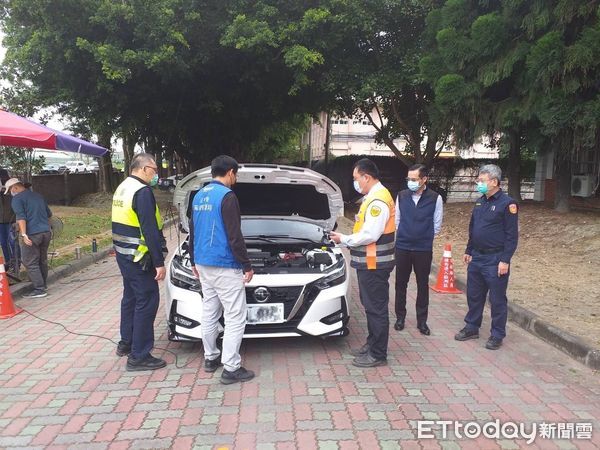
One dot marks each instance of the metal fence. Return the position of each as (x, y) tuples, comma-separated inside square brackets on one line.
[(462, 189)]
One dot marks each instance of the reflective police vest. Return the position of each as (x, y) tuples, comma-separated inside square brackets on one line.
[(128, 239), (379, 254)]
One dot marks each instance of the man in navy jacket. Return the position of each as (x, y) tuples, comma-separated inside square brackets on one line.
[(419, 212)]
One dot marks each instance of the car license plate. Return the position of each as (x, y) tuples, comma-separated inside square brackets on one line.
[(271, 313)]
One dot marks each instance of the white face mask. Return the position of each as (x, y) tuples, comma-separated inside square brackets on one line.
[(357, 187)]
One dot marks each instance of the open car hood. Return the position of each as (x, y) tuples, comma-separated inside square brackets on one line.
[(271, 191)]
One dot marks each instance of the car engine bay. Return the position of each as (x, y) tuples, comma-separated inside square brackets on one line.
[(275, 258)]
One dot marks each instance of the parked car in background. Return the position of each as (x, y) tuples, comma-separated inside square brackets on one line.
[(76, 166), (169, 183), (93, 167), (53, 169)]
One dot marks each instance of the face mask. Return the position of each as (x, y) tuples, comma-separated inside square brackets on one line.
[(13, 193), (154, 180), (357, 187), (413, 185), (482, 187)]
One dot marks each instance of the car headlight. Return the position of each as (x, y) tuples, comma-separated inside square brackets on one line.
[(183, 277), (335, 276)]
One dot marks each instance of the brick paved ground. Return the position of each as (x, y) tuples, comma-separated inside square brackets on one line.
[(58, 390)]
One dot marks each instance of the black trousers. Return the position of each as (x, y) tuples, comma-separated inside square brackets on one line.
[(138, 307), (406, 261), (374, 290)]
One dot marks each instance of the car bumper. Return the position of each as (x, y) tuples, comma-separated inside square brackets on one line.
[(319, 313)]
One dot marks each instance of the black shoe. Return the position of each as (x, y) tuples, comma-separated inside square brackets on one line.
[(367, 360), (36, 293), (424, 329), (466, 334), (239, 375), (399, 325), (360, 351), (123, 348), (210, 365), (493, 343), (148, 363)]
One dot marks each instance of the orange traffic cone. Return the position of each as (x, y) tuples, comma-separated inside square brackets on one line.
[(445, 280), (7, 307)]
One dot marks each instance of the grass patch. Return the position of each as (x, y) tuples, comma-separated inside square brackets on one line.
[(68, 256), (81, 225)]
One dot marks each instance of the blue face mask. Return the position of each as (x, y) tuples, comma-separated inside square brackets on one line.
[(413, 185), (154, 180), (482, 187), (357, 187)]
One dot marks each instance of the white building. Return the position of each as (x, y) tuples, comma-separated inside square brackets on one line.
[(356, 136)]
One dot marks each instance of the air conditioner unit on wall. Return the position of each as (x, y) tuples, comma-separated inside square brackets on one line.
[(582, 185)]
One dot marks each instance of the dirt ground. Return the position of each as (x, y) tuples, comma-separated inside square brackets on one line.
[(555, 271)]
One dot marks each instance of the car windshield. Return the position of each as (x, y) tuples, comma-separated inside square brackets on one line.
[(281, 228)]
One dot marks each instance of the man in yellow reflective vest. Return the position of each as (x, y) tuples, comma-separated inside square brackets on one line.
[(372, 255), (139, 245)]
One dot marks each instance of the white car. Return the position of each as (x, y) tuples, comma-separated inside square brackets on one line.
[(300, 283), (93, 167), (76, 166)]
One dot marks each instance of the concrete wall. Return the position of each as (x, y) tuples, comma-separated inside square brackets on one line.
[(63, 189)]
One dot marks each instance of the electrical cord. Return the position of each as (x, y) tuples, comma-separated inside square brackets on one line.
[(170, 214), (108, 339)]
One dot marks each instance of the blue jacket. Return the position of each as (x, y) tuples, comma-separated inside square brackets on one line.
[(494, 226), (415, 230), (211, 244)]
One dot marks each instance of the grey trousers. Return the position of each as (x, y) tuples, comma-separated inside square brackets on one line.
[(35, 258), (223, 292)]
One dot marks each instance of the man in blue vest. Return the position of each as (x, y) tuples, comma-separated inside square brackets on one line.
[(220, 261), (419, 213), (139, 245), (493, 238)]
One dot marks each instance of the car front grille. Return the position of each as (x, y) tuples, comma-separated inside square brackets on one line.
[(287, 295)]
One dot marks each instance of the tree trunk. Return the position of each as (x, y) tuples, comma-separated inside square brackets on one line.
[(129, 141), (562, 171), (514, 165), (106, 178), (327, 142), (562, 175)]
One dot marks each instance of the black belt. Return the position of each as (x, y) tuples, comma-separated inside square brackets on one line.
[(489, 251)]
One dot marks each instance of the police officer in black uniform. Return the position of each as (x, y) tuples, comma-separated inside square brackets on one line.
[(140, 248), (493, 236)]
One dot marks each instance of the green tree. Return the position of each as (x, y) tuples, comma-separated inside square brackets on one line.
[(362, 55), (23, 162), (155, 73), (525, 71)]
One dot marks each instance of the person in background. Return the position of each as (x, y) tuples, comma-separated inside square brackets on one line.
[(32, 216), (7, 219)]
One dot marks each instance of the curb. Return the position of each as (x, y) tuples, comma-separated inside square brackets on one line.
[(72, 267), (566, 342)]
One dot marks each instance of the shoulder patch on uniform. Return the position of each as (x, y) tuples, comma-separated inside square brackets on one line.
[(375, 210), (513, 208)]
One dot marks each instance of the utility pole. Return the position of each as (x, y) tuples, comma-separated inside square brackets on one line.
[(327, 140)]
